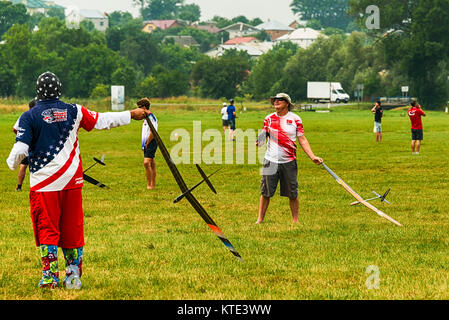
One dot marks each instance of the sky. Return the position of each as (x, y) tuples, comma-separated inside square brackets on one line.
[(264, 9)]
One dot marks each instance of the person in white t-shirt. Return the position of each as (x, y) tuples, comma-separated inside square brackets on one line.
[(282, 129), (224, 117), (149, 145)]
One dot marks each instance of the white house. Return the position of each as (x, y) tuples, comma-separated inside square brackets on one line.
[(99, 19), (275, 29), (240, 29), (255, 50), (303, 37)]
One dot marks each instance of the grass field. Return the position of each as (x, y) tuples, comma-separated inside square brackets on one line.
[(139, 245)]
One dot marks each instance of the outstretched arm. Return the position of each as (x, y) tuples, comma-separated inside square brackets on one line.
[(308, 150), (111, 120)]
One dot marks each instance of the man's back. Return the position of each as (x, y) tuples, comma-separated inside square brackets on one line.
[(415, 113), (50, 130), (231, 111)]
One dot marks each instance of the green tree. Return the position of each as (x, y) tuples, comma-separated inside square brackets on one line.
[(316, 63), (125, 75), (205, 39), (56, 13), (222, 22), (173, 57), (147, 87), (240, 18), (314, 24), (94, 65), (87, 25), (331, 13), (8, 81), (159, 9), (119, 19), (142, 50), (190, 12), (118, 33), (268, 69), (101, 91), (221, 77), (413, 35), (171, 83), (35, 19), (11, 14), (255, 22)]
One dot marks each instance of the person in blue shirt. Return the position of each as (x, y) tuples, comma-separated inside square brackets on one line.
[(231, 119)]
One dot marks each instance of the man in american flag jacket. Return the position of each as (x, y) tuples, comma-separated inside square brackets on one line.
[(48, 135)]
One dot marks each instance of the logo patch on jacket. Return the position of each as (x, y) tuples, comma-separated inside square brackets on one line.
[(54, 115)]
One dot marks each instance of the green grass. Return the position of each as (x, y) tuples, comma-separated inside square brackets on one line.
[(139, 245)]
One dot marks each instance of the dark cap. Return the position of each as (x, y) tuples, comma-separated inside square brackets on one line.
[(48, 86)]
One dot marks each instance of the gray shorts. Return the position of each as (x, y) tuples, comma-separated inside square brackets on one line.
[(377, 127), (284, 173)]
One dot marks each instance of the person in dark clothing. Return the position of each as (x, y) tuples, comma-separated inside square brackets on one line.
[(378, 113)]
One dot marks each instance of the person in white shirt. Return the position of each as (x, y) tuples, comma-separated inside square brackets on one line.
[(224, 117), (282, 129), (149, 145)]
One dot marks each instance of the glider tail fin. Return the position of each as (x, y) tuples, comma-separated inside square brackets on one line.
[(206, 178)]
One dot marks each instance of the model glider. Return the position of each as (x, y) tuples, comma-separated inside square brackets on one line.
[(359, 198), (378, 196), (187, 193), (92, 180)]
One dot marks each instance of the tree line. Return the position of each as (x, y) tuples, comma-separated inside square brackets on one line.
[(411, 48)]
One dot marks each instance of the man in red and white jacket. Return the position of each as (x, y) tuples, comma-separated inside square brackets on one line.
[(48, 135), (282, 129)]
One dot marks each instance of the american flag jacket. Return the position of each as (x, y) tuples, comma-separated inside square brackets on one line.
[(48, 135)]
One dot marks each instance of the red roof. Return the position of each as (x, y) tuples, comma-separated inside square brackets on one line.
[(240, 40), (163, 24)]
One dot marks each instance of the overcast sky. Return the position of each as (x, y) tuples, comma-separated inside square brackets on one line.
[(264, 9)]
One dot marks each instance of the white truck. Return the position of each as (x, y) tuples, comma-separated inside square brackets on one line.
[(326, 91)]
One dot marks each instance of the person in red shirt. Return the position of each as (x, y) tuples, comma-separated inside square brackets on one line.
[(415, 113)]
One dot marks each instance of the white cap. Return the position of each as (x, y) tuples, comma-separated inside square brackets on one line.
[(284, 96)]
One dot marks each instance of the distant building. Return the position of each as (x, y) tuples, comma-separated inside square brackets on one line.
[(294, 25), (275, 29), (99, 19), (240, 29), (242, 40), (254, 49), (150, 26), (303, 37), (37, 6), (183, 41), (209, 26)]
